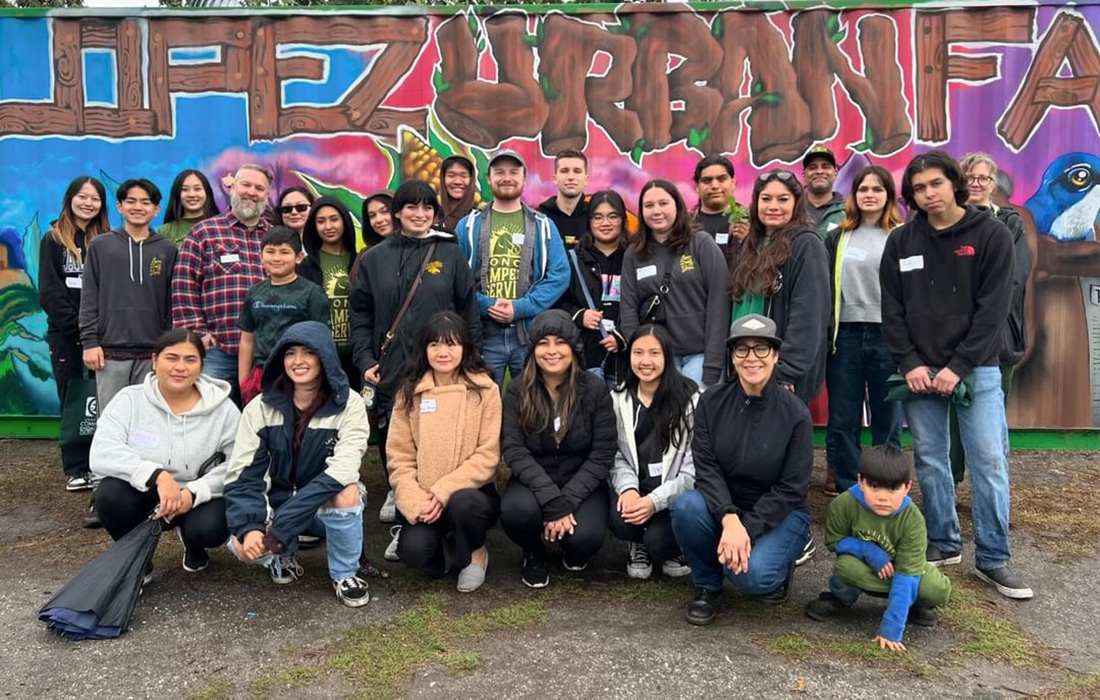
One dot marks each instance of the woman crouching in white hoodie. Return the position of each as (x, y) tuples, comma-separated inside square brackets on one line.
[(164, 443)]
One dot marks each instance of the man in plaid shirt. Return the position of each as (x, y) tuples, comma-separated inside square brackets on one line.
[(218, 262)]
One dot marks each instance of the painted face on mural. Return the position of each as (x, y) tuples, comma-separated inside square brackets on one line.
[(192, 196), (606, 223), (86, 204), (933, 192), (715, 187), (137, 207), (294, 209), (571, 177), (378, 214), (330, 226), (775, 205), (658, 210), (416, 219), (506, 179), (457, 180), (980, 183), (820, 176), (248, 198), (871, 196)]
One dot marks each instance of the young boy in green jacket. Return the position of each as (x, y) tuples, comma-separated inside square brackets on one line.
[(879, 537)]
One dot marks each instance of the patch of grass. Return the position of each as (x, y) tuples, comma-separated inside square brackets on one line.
[(378, 659), (798, 646), (788, 644), (1060, 514), (984, 631), (1085, 687), (298, 677), (222, 690)]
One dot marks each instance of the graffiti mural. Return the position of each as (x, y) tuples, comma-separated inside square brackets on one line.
[(347, 102)]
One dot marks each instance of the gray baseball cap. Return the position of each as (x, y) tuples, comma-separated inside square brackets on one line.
[(508, 153), (754, 326)]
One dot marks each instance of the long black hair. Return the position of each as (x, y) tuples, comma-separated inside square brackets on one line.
[(175, 205), (672, 402), (449, 327), (176, 336), (282, 195)]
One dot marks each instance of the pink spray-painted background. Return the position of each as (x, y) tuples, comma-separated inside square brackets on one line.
[(349, 103)]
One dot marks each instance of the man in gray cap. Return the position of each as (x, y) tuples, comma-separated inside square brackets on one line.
[(518, 261)]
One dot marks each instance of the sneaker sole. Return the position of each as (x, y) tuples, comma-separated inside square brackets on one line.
[(189, 570), (679, 572), (948, 561), (806, 556), (639, 574), (542, 584), (1014, 593), (700, 621), (354, 602), (820, 617), (74, 489)]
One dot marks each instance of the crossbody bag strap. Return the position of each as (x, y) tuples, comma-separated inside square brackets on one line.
[(391, 333)]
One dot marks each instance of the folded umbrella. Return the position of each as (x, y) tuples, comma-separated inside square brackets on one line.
[(99, 601), (897, 389)]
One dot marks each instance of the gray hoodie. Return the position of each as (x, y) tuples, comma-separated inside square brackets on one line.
[(138, 434)]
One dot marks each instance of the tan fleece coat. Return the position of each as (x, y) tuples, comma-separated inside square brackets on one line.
[(444, 447)]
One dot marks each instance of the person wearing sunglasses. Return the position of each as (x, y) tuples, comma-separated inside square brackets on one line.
[(747, 519), (293, 208)]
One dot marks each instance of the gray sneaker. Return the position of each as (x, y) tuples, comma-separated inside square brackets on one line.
[(471, 578), (1007, 583), (284, 568)]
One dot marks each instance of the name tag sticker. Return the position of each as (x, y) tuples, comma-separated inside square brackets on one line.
[(427, 406), (913, 262), (518, 238), (722, 238), (655, 469), (74, 282), (229, 259), (557, 424), (856, 254), (607, 324), (647, 271), (143, 438)]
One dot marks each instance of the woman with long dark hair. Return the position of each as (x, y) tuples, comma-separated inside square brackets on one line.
[(295, 465), (781, 272), (592, 300), (190, 201), (675, 276), (859, 362), (655, 409), (558, 438), (443, 450), (292, 208), (60, 274)]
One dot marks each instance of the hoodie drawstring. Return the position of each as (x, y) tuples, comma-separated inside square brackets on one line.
[(141, 261), (130, 249)]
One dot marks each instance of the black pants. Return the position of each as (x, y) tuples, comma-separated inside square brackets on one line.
[(469, 515), (122, 508), (521, 518), (655, 534), (67, 358)]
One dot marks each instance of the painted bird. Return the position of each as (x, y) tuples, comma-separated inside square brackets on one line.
[(1067, 203)]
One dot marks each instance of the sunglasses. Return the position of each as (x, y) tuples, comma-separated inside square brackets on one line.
[(300, 208), (784, 175)]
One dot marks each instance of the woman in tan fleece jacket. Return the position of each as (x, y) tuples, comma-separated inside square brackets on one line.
[(443, 450)]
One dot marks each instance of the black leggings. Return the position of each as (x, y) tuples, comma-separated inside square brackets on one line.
[(121, 508), (67, 359), (522, 520), (469, 515), (656, 534)]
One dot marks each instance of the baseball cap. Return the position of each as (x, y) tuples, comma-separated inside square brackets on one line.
[(754, 326), (508, 153), (819, 152)]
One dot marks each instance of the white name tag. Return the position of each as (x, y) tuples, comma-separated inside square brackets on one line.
[(229, 259), (721, 238), (74, 282), (427, 406), (557, 424), (607, 324), (143, 438), (856, 254), (518, 238), (647, 271), (913, 262), (655, 469)]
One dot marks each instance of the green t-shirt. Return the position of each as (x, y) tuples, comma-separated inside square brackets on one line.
[(505, 246), (177, 230), (270, 309), (749, 304), (334, 269)]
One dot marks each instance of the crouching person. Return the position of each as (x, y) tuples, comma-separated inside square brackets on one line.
[(879, 537), (162, 444), (297, 459)]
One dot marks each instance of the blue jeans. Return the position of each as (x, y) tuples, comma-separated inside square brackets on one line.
[(219, 364), (504, 351), (860, 359), (691, 366), (770, 561), (984, 433)]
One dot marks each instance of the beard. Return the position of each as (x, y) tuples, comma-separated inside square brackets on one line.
[(246, 209)]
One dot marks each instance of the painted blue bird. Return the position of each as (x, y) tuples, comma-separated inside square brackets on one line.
[(1067, 203)]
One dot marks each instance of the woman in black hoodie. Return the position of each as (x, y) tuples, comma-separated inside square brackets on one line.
[(328, 240), (592, 300), (60, 273), (559, 439)]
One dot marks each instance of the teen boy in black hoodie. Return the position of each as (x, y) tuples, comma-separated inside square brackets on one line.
[(569, 208), (946, 286)]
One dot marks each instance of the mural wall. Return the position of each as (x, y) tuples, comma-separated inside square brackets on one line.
[(345, 103)]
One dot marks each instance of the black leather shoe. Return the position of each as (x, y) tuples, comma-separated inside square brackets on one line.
[(703, 607)]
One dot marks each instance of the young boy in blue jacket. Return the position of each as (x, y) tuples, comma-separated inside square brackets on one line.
[(879, 537)]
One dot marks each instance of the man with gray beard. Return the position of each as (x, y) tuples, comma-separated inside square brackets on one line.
[(218, 263)]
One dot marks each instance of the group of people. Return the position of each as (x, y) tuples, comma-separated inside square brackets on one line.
[(656, 370)]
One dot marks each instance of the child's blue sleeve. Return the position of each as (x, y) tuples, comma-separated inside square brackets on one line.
[(869, 552), (903, 593)]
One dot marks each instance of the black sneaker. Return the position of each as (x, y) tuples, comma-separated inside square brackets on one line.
[(90, 520), (81, 482), (807, 552), (1007, 583), (352, 591), (783, 593), (923, 616), (193, 562), (824, 607), (573, 567), (935, 557), (703, 607), (309, 541), (536, 573)]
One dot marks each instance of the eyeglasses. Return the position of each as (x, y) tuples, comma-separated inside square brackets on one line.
[(982, 180), (610, 218), (300, 208), (742, 351), (784, 175)]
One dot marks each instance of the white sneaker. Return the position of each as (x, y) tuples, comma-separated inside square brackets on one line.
[(352, 591), (284, 568), (388, 512), (391, 548), (639, 566), (676, 568), (807, 552)]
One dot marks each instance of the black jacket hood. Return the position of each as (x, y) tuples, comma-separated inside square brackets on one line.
[(317, 337), (311, 239), (555, 322)]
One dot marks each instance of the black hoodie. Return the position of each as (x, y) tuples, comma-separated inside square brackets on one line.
[(946, 293), (600, 274), (310, 268), (59, 283), (570, 226)]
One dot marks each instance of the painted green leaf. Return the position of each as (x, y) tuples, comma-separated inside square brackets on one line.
[(531, 40), (770, 98), (481, 44), (438, 82), (757, 87), (642, 31), (547, 89), (444, 149), (623, 27), (717, 28), (638, 151), (693, 137), (833, 23), (540, 30), (481, 163), (840, 36), (472, 21), (869, 137), (348, 197)]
